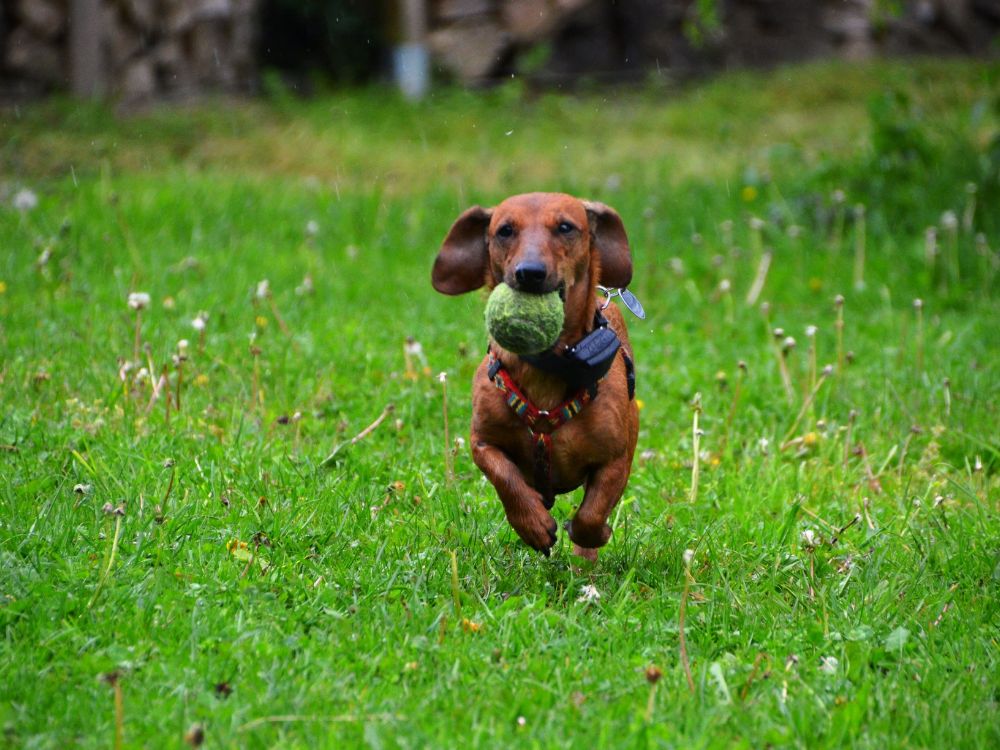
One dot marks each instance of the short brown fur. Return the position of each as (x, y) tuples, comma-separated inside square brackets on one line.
[(595, 448)]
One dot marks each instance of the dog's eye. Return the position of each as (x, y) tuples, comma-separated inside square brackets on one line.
[(506, 231), (565, 227)]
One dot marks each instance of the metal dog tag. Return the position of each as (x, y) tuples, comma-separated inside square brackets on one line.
[(632, 303)]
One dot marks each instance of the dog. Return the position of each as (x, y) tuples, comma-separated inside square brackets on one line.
[(547, 424)]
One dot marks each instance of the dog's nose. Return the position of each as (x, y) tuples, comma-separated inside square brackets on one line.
[(530, 276)]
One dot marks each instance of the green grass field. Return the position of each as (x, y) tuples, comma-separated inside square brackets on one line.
[(174, 559)]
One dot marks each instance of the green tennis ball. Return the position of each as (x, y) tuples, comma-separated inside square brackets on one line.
[(521, 322)]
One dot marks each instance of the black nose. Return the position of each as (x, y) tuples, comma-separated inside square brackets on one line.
[(530, 276)]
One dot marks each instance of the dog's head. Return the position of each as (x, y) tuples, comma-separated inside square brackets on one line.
[(538, 243)]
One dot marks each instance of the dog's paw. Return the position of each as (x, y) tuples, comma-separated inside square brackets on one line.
[(537, 529), (588, 535)]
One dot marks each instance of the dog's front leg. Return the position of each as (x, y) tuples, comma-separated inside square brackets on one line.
[(524, 508), (589, 527)]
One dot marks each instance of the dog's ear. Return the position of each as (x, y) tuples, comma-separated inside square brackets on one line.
[(463, 261), (607, 236)]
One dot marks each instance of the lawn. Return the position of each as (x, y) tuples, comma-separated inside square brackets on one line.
[(179, 564)]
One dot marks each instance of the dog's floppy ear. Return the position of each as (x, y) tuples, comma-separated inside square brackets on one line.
[(607, 236), (463, 261)]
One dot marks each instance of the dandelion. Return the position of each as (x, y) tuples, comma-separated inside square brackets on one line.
[(589, 594), (263, 289), (200, 323), (763, 444), (727, 233), (930, 249), (918, 307), (306, 287), (25, 200), (949, 222), (696, 434), (413, 350), (521, 721), (449, 470), (859, 246), (808, 539), (688, 557), (312, 228), (838, 303), (969, 214), (781, 350), (677, 266), (829, 664), (138, 301)]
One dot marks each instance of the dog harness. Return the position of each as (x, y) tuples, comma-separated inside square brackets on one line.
[(584, 365)]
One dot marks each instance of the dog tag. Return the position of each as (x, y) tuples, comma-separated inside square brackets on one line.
[(633, 304)]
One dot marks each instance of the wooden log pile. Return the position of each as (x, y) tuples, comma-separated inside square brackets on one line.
[(476, 40), (143, 48)]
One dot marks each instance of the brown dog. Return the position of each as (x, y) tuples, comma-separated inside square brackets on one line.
[(547, 424)]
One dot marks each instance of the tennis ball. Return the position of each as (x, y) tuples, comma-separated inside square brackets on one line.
[(521, 322)]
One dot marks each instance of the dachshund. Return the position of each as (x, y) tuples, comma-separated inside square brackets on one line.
[(546, 424)]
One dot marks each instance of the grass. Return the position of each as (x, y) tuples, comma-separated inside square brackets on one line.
[(170, 572)]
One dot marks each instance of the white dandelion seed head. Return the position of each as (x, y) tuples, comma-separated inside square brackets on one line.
[(442, 377), (949, 220), (808, 538), (589, 594), (829, 664), (839, 196), (687, 557), (811, 331), (199, 322), (312, 227), (25, 200), (138, 300), (263, 289)]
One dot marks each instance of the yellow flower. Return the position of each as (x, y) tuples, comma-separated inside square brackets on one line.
[(261, 321), (201, 379), (3, 287), (469, 626), (234, 545), (815, 284), (748, 193), (640, 404)]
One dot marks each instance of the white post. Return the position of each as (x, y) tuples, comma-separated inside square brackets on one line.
[(86, 74), (411, 63)]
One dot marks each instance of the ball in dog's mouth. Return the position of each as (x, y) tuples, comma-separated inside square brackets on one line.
[(524, 323)]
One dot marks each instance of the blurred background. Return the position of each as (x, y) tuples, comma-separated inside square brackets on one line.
[(144, 50)]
